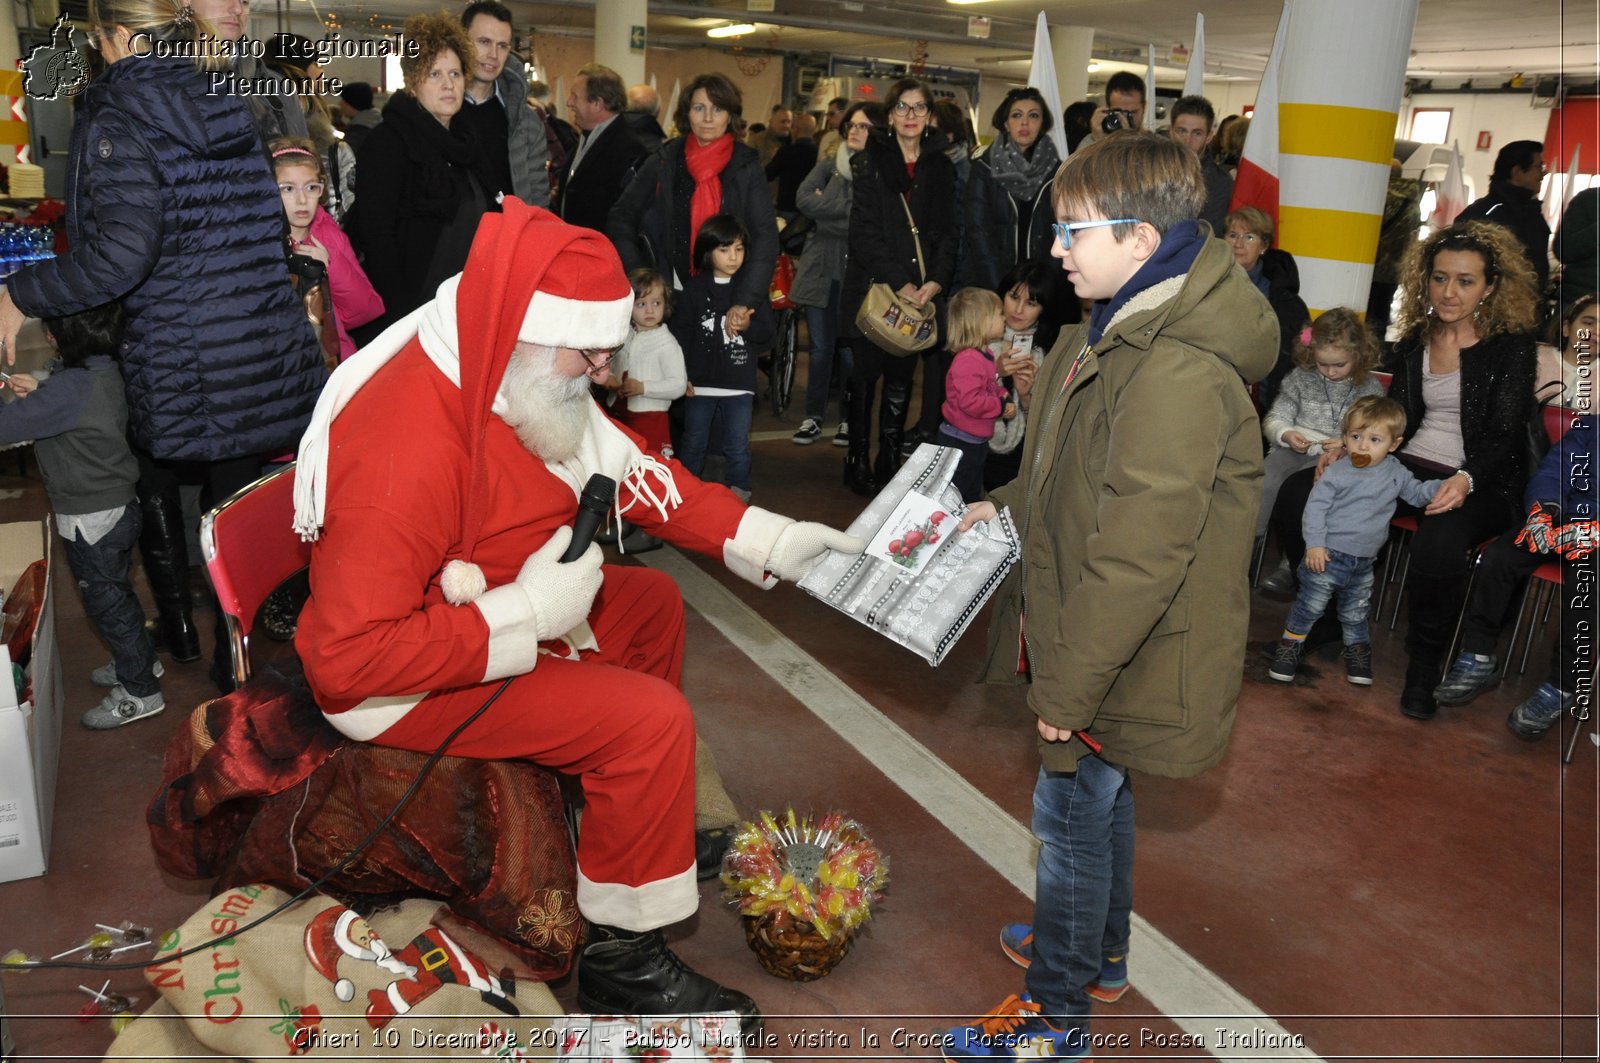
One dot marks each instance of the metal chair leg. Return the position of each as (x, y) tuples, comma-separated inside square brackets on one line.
[(1522, 608), (1540, 590), (1400, 593), (1577, 729)]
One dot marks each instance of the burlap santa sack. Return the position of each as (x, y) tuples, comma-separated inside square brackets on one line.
[(321, 980)]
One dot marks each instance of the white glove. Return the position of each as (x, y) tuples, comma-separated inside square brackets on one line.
[(800, 546), (561, 595)]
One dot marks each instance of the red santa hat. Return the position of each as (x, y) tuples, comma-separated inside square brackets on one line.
[(327, 939), (529, 278)]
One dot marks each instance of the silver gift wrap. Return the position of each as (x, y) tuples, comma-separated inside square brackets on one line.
[(926, 612)]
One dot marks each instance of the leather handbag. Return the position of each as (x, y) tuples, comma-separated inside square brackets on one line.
[(309, 277), (894, 322)]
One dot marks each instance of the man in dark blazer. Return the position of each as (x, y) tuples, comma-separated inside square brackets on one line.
[(607, 154)]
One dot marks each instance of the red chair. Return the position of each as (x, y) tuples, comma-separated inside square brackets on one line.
[(250, 547), (1385, 379), (1557, 419)]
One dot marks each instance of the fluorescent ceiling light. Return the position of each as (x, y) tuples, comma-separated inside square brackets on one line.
[(731, 29)]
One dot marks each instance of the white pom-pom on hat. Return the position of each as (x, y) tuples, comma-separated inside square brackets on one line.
[(462, 582)]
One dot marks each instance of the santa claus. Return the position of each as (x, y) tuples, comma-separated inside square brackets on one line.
[(440, 478)]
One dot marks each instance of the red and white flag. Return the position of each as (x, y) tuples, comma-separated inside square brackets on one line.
[(1450, 197), (1256, 184)]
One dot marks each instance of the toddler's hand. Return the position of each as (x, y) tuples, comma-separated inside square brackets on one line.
[(1317, 558), (23, 383), (1009, 412), (630, 387)]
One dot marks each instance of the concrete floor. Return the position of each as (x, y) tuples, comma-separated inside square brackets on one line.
[(1380, 887)]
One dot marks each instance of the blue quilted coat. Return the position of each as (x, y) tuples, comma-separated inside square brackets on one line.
[(172, 209)]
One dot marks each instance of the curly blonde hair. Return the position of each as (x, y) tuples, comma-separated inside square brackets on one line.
[(432, 34), (1512, 305), (1342, 330)]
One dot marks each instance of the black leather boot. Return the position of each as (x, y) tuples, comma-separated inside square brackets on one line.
[(1435, 602), (858, 460), (891, 428), (623, 972), (165, 550)]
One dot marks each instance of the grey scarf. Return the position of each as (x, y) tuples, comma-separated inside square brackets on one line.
[(1016, 173)]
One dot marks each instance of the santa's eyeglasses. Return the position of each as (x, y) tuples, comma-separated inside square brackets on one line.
[(598, 357)]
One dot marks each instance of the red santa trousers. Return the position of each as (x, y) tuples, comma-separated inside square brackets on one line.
[(617, 720)]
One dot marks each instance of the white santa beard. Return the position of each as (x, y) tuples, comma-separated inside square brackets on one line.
[(549, 411)]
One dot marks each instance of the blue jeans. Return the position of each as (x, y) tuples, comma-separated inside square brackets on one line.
[(822, 325), (1347, 576), (101, 570), (1083, 886), (718, 422)]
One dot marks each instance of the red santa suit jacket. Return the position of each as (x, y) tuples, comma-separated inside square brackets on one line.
[(378, 634)]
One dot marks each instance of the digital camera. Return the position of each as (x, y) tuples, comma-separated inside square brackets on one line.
[(1115, 120)]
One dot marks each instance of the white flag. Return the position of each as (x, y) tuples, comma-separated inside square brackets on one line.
[(1194, 78), (1150, 90), (1572, 181), (668, 116), (1450, 198), (1042, 76)]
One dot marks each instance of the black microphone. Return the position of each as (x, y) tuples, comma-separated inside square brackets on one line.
[(593, 505)]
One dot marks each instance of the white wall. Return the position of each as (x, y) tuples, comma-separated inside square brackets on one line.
[(1504, 116)]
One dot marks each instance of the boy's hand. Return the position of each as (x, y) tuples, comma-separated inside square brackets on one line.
[(1051, 733), (1317, 558), (1009, 412), (975, 514), (23, 383)]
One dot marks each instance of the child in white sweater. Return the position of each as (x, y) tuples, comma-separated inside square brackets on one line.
[(1336, 358), (648, 371)]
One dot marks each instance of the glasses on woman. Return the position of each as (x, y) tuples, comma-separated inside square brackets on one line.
[(1065, 229), (1238, 237), (918, 109), (311, 189), (864, 127)]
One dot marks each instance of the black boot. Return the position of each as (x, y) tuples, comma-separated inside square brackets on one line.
[(622, 972), (858, 461), (1416, 698), (165, 550), (1435, 602), (891, 428)]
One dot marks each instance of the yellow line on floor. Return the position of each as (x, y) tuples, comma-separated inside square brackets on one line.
[(1177, 984)]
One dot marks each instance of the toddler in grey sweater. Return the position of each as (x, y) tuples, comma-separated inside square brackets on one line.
[(1346, 521)]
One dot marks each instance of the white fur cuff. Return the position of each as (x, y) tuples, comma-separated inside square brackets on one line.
[(513, 631), (747, 552)]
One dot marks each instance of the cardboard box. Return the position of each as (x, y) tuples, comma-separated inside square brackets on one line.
[(30, 731)]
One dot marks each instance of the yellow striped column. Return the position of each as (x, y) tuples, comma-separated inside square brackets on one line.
[(1343, 70)]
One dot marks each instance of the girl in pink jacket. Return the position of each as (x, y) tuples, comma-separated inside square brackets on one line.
[(315, 234), (973, 394)]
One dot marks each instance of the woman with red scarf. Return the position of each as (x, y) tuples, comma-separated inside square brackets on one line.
[(705, 169)]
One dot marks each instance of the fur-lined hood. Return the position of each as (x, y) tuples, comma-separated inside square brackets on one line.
[(1214, 306)]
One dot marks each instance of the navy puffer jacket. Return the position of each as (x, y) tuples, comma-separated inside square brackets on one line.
[(172, 209)]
